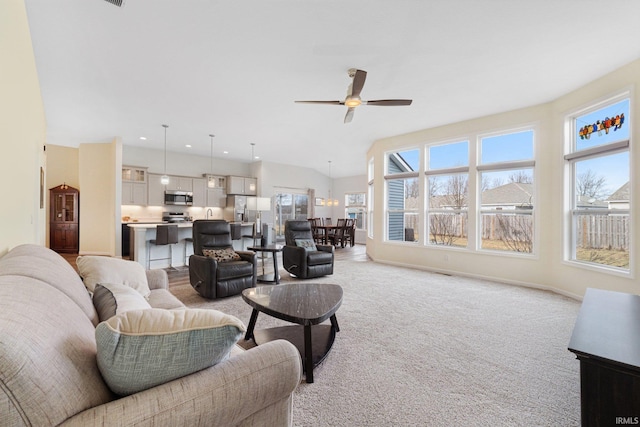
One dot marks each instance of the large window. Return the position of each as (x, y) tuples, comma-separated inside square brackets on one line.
[(447, 178), (599, 177), (402, 195), (355, 208), (506, 180)]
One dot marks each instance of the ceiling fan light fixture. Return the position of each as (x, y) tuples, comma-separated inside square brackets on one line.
[(352, 102)]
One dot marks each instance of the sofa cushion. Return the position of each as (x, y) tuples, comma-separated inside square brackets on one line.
[(48, 370), (113, 298), (307, 244), (43, 264), (102, 269), (221, 255), (143, 348)]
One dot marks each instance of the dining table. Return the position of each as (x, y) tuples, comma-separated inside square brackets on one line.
[(326, 231)]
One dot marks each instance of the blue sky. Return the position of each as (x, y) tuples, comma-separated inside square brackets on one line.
[(519, 146)]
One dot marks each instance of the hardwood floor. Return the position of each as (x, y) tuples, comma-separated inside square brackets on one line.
[(180, 275)]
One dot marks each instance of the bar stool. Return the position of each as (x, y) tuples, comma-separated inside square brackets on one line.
[(165, 235), (187, 240)]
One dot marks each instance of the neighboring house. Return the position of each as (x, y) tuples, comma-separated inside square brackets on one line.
[(397, 198), (620, 198), (511, 196)]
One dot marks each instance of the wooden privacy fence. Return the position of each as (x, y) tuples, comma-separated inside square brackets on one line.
[(602, 231)]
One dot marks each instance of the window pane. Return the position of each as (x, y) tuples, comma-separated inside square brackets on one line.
[(449, 155), (602, 238), (507, 210), (354, 199), (602, 235), (403, 226), (448, 191), (603, 126), (507, 147), (403, 161), (603, 182), (448, 195), (402, 207), (448, 228), (509, 231)]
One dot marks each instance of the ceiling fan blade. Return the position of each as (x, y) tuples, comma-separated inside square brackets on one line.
[(349, 116), (388, 102), (358, 82), (359, 77), (321, 102)]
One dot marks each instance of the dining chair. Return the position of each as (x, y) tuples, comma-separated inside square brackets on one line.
[(337, 238), (349, 231)]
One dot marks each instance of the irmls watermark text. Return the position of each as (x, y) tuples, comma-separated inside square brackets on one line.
[(628, 421)]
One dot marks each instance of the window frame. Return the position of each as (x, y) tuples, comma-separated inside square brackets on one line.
[(506, 166), (572, 157), (441, 172), (390, 177)]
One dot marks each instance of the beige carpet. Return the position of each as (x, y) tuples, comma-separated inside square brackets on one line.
[(423, 349)]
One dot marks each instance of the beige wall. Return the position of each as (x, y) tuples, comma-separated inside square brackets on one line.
[(22, 132), (100, 198), (547, 267)]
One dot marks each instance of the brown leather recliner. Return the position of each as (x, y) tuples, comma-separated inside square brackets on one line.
[(214, 279), (300, 261)]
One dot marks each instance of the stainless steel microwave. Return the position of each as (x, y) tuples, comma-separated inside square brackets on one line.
[(184, 198)]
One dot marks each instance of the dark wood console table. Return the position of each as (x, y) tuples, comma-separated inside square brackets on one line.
[(606, 340)]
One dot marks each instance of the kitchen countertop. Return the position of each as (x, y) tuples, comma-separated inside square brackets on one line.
[(185, 224)]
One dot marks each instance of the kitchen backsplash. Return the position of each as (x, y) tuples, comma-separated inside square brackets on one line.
[(154, 213)]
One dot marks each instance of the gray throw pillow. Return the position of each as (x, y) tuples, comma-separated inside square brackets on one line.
[(307, 244), (110, 299), (140, 349)]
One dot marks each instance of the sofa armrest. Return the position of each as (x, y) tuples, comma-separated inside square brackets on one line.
[(224, 394), (157, 279)]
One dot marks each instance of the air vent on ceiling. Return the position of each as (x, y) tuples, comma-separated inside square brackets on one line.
[(118, 3)]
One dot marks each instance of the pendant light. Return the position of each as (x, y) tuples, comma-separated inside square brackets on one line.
[(330, 201), (164, 180), (211, 183), (252, 186)]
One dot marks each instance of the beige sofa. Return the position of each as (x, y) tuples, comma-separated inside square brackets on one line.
[(49, 374)]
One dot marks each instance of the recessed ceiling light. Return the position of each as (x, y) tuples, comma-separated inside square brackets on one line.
[(188, 145), (225, 152), (144, 138)]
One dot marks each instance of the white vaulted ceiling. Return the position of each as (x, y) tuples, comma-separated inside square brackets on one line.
[(235, 68)]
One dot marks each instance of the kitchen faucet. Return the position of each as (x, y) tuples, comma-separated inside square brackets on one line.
[(209, 211)]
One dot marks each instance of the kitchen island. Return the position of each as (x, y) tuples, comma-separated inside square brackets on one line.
[(141, 234)]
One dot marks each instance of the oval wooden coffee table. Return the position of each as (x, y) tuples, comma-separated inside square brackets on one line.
[(307, 305)]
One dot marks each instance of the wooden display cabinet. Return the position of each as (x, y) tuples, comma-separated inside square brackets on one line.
[(63, 219)]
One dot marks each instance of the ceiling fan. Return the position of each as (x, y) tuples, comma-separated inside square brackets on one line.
[(353, 96)]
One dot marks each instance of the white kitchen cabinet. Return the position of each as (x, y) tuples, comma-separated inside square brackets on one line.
[(134, 193), (216, 197), (199, 192), (217, 181), (242, 185), (156, 190), (180, 183), (134, 174), (134, 185)]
